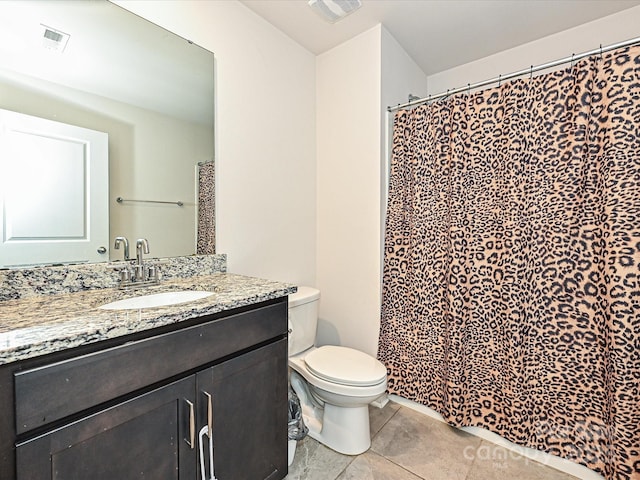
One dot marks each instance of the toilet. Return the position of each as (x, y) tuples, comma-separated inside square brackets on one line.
[(335, 384)]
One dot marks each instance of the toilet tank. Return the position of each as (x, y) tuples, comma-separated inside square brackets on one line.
[(303, 319)]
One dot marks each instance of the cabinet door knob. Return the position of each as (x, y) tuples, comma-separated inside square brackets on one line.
[(191, 441), (102, 250)]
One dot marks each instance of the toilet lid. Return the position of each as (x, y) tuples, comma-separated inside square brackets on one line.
[(345, 366)]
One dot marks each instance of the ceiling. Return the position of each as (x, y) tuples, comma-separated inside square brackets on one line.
[(438, 34)]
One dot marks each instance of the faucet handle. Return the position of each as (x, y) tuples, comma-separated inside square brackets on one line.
[(154, 273), (125, 275)]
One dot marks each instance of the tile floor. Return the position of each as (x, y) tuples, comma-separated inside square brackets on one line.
[(407, 445)]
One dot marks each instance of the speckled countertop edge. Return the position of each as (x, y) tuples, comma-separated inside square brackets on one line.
[(40, 325)]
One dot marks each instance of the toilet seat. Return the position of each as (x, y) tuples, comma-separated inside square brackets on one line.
[(345, 366)]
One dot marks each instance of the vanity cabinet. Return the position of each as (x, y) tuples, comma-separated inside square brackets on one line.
[(138, 438), (196, 400)]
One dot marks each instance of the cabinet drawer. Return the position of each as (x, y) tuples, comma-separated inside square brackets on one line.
[(54, 391)]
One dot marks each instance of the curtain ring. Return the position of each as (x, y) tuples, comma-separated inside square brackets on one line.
[(499, 79), (468, 89), (572, 55), (600, 51), (531, 73)]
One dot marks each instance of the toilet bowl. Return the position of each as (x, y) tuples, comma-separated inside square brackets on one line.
[(334, 384)]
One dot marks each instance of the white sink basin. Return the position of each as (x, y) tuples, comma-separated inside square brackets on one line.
[(156, 300)]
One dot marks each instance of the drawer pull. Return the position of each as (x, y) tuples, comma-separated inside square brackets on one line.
[(191, 441), (209, 414)]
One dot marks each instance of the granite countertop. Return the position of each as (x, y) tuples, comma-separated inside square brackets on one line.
[(48, 323)]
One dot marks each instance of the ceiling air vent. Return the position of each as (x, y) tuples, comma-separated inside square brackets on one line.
[(334, 10), (53, 39)]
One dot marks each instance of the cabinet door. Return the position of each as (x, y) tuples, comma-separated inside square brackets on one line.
[(245, 399), (145, 437)]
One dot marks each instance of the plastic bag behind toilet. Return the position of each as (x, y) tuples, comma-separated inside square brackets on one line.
[(297, 430)]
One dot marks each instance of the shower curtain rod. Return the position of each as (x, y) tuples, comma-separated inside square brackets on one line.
[(520, 73)]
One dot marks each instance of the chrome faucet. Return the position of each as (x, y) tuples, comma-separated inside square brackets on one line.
[(125, 242), (136, 272), (142, 246)]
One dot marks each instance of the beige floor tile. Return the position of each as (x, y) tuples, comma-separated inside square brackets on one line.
[(379, 416), (314, 461), (371, 466), (408, 445), (497, 463), (425, 446)]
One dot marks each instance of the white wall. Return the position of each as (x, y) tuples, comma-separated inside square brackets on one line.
[(348, 155), (265, 135), (355, 81), (604, 31)]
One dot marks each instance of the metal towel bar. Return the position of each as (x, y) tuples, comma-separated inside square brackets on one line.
[(120, 200)]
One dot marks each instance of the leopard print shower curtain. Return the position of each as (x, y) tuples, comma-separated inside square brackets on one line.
[(511, 289)]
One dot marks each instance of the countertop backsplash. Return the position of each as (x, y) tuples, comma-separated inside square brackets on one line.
[(52, 280)]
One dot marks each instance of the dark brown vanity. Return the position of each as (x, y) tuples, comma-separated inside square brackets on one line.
[(203, 396)]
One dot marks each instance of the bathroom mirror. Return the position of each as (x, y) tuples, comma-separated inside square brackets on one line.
[(95, 65)]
